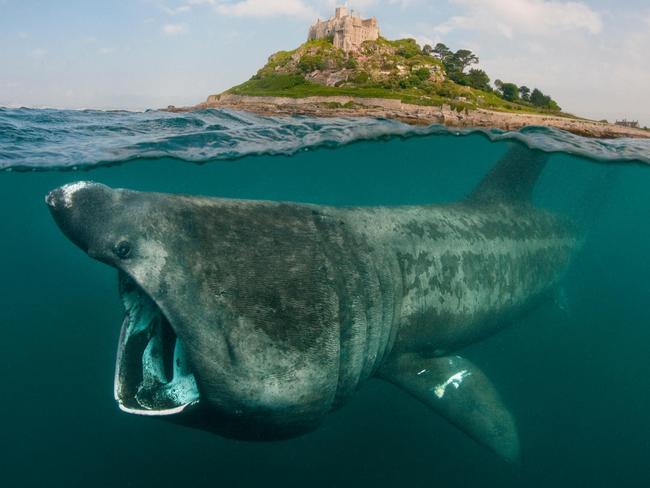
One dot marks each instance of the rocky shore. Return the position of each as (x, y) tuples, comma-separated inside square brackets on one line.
[(345, 106)]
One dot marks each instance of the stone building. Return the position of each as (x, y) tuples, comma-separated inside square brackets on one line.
[(348, 30), (634, 124)]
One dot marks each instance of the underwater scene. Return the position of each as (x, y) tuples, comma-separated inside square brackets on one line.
[(558, 384)]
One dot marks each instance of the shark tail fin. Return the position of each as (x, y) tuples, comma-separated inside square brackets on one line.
[(461, 393), (512, 179)]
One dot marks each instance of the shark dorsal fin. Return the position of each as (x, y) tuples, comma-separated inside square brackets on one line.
[(512, 179)]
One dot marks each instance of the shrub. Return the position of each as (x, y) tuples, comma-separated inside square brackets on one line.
[(351, 63), (422, 74), (311, 62), (411, 82), (407, 48), (428, 87), (361, 78), (280, 82), (390, 83)]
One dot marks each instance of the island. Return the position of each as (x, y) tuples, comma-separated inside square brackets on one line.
[(346, 68)]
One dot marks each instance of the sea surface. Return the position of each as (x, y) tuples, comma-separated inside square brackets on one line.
[(575, 373)]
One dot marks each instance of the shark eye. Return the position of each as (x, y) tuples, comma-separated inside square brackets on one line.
[(122, 250)]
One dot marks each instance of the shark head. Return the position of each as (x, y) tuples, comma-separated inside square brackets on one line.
[(225, 328)]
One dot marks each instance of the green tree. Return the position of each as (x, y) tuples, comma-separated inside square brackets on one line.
[(477, 78), (538, 98), (509, 92), (456, 63), (427, 49), (458, 77), (554, 106), (463, 58), (441, 51), (524, 93)]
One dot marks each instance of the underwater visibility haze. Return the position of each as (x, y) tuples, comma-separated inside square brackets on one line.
[(570, 368)]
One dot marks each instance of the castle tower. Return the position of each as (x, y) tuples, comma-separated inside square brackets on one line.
[(347, 29)]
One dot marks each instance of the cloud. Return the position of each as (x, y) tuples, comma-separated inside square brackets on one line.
[(106, 50), (593, 62), (185, 6), (307, 9), (176, 10), (38, 53), (173, 29), (303, 9), (509, 18), (356, 4), (266, 8)]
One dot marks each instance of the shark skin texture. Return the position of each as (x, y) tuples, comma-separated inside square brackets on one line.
[(254, 319)]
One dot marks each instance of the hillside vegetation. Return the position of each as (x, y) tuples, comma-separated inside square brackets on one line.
[(398, 69)]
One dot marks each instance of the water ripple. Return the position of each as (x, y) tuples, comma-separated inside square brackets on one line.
[(48, 139)]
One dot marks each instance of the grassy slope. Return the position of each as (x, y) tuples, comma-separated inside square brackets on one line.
[(284, 76)]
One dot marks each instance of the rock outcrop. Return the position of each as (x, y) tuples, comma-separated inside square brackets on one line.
[(335, 106)]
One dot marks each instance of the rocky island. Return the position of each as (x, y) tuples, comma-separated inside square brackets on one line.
[(346, 68)]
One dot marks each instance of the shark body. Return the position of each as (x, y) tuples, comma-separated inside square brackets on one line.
[(254, 319)]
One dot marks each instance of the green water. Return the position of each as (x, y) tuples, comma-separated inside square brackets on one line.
[(575, 373)]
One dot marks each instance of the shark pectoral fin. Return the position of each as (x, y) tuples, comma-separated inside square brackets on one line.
[(459, 391)]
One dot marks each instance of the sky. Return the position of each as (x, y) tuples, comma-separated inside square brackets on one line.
[(592, 56)]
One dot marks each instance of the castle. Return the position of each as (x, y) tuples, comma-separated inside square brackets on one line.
[(348, 30)]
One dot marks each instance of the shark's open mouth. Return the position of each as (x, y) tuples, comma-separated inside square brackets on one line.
[(152, 375)]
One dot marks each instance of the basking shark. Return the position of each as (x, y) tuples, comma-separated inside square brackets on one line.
[(254, 319)]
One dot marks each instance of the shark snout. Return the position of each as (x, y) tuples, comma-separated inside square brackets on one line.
[(77, 210), (64, 197), (54, 198)]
